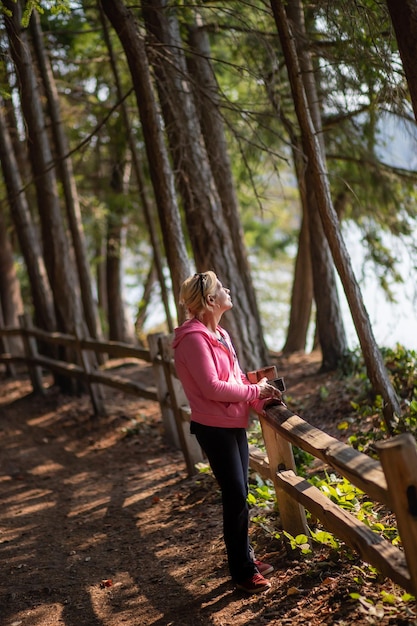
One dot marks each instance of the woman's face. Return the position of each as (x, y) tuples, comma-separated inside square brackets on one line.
[(222, 297)]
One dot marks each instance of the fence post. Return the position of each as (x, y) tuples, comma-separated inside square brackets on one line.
[(398, 457), (93, 389), (168, 418), (5, 347), (280, 457), (31, 350), (193, 454)]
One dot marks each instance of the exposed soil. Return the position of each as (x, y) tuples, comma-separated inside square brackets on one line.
[(100, 525)]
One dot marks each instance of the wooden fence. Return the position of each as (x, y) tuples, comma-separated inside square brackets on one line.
[(81, 350), (391, 481)]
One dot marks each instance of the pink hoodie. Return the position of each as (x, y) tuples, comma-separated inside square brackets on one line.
[(218, 391)]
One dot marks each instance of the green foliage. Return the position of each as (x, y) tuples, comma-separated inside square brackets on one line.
[(324, 393), (203, 468), (373, 608), (325, 538), (302, 459), (261, 494), (52, 6), (299, 542), (339, 490), (401, 365)]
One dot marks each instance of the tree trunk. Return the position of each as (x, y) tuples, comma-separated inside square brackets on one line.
[(140, 178), (301, 295), (404, 19), (68, 181), (143, 307), (330, 328), (10, 295), (206, 92), (58, 260), (125, 25), (115, 306), (207, 227), (117, 319), (372, 356), (100, 267), (42, 297), (302, 288)]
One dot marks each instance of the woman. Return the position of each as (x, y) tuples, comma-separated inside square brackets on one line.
[(220, 397)]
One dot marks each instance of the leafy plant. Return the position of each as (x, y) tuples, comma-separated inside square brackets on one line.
[(325, 538), (339, 490), (299, 542)]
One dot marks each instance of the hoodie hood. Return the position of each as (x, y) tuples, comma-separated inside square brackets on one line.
[(191, 326)]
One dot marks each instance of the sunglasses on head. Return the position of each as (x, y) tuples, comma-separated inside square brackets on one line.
[(201, 279)]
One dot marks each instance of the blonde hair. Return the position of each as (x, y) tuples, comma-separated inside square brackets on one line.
[(194, 291)]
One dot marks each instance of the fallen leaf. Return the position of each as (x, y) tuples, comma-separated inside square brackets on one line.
[(107, 582), (293, 591)]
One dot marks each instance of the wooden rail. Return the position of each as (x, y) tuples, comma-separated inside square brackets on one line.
[(85, 368)]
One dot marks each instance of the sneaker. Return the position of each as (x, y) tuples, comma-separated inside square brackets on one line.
[(256, 584), (263, 568)]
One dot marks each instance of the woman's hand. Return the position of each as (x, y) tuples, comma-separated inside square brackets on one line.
[(268, 391)]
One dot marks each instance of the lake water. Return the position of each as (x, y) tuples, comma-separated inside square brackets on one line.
[(392, 322)]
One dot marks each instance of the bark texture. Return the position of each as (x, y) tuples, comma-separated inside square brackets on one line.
[(42, 298), (148, 212), (10, 295), (206, 92), (124, 23), (68, 181), (56, 251), (404, 19), (207, 225)]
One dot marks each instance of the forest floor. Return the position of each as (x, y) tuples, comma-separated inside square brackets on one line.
[(101, 526)]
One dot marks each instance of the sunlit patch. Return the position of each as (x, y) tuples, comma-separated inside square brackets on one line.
[(23, 497), (78, 479), (101, 444), (128, 597), (9, 535), (90, 543), (87, 499), (46, 419), (10, 432), (12, 390), (92, 510), (28, 510), (46, 614), (47, 468), (134, 498)]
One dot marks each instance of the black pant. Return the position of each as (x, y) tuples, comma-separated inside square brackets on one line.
[(228, 455)]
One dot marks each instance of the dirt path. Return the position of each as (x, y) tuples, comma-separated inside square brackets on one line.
[(100, 526)]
